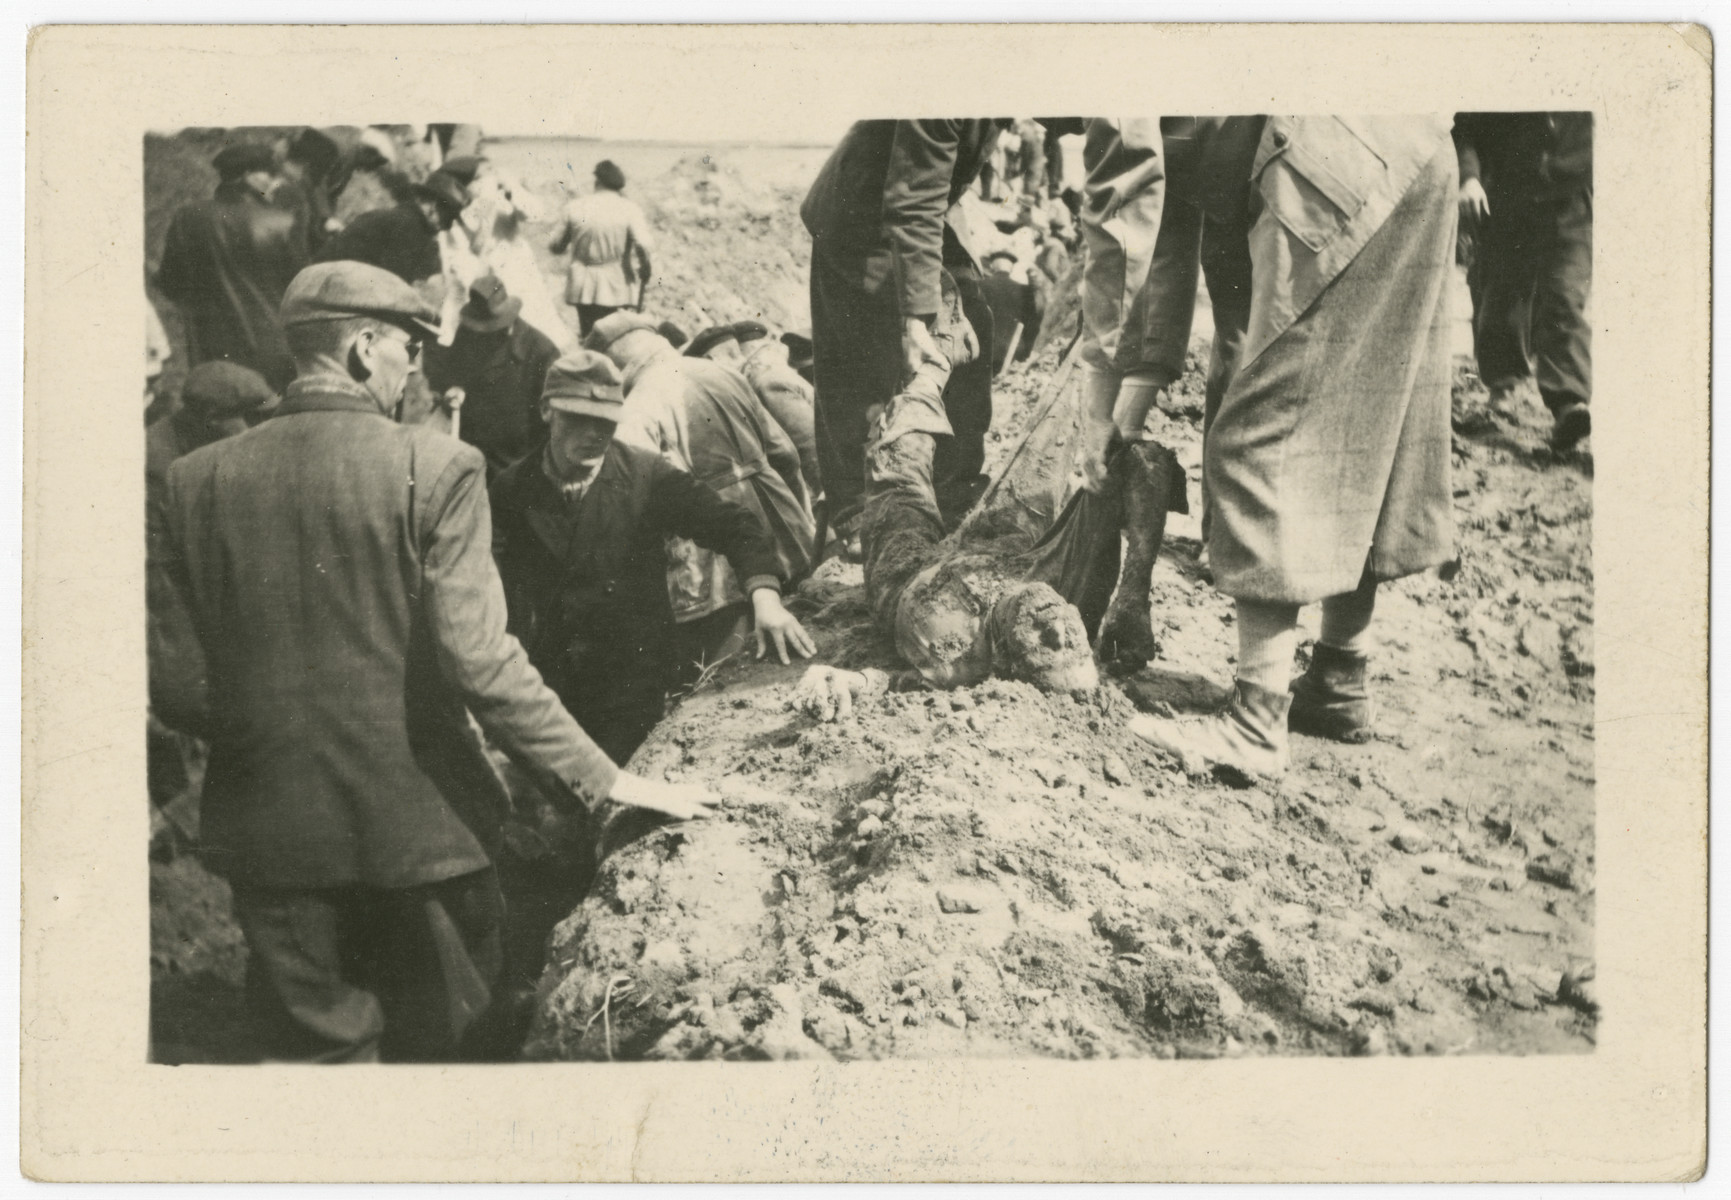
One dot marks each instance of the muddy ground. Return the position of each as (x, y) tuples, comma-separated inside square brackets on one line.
[(996, 871)]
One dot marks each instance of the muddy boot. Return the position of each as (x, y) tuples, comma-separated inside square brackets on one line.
[(1573, 422), (1153, 484), (1246, 739), (1332, 698)]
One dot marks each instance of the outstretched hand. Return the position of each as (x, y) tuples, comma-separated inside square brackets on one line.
[(681, 801), (775, 625), (828, 693)]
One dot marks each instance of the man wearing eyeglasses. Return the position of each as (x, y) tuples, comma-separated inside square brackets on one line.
[(335, 618)]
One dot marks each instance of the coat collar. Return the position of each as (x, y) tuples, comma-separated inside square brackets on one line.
[(327, 393)]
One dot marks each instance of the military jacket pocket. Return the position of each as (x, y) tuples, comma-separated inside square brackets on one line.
[(1317, 175)]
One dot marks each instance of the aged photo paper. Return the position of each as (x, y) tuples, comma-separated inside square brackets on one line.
[(974, 902)]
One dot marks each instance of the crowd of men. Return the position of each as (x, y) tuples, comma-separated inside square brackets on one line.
[(410, 511)]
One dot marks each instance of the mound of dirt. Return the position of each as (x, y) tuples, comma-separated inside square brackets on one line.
[(728, 249), (996, 871)]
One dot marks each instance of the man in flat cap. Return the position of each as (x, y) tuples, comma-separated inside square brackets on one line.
[(608, 237), (218, 400), (705, 419), (497, 362), (403, 239), (579, 532), (226, 262), (336, 620)]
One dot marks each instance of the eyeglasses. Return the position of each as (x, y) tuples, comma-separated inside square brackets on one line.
[(411, 346)]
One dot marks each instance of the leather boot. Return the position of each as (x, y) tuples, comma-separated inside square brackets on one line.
[(1247, 737), (1332, 698)]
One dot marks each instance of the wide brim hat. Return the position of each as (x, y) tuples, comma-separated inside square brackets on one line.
[(490, 307), (708, 340)]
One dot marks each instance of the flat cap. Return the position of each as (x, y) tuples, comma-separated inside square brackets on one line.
[(708, 340), (584, 382), (608, 174), (614, 326), (225, 389), (749, 331), (332, 291), (231, 162)]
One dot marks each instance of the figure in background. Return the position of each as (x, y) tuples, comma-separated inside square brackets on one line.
[(886, 222), (609, 242), (497, 363), (403, 239), (1527, 194), (227, 261), (499, 213), (706, 420), (312, 178)]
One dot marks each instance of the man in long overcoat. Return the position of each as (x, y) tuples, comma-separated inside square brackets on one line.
[(226, 262), (886, 219), (336, 619), (1326, 464)]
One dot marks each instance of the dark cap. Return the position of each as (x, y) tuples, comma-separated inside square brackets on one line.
[(608, 175), (316, 150), (242, 158), (218, 389), (444, 190), (676, 337), (490, 307), (333, 291), (584, 382), (463, 168), (709, 339), (798, 349), (749, 331), (614, 326)]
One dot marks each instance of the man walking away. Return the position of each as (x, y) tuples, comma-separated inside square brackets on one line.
[(608, 237)]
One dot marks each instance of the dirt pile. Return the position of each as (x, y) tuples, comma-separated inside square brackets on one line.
[(728, 249), (996, 871)]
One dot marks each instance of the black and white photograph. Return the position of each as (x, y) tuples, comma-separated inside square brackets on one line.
[(1083, 587), (703, 616)]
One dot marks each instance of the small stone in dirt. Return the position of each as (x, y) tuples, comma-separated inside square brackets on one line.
[(953, 1016), (1113, 768), (961, 701), (1412, 840), (869, 826), (1556, 868), (1371, 1042), (959, 900), (1577, 989), (874, 807)]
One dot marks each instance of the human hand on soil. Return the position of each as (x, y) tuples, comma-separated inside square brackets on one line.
[(1475, 205), (776, 624), (681, 801), (829, 693)]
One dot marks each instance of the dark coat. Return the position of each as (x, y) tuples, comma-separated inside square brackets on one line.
[(226, 263), (501, 376), (587, 584), (886, 202), (399, 239), (336, 610), (1526, 154)]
